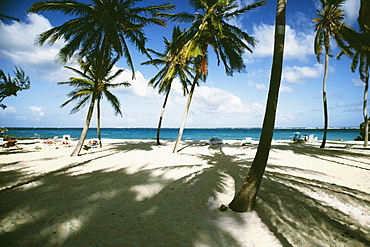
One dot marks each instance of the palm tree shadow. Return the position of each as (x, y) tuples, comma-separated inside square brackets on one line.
[(131, 145), (285, 205), (105, 208), (328, 154)]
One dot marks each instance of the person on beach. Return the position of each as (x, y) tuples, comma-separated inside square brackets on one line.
[(10, 143)]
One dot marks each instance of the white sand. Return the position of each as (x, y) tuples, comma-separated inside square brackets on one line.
[(134, 193)]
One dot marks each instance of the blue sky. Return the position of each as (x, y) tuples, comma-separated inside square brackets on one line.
[(222, 101)]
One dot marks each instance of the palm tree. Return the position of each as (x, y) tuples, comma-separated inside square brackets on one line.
[(361, 60), (328, 24), (104, 26), (9, 86), (245, 198), (211, 28), (172, 67), (102, 29), (85, 89)]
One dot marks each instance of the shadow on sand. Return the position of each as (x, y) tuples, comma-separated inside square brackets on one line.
[(148, 208)]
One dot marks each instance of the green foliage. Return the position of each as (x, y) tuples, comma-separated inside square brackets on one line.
[(10, 86), (171, 64), (96, 77), (105, 26), (210, 27)]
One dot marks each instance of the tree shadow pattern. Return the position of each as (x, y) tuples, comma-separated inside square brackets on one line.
[(105, 208)]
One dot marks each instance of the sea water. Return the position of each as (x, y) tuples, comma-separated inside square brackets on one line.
[(346, 134)]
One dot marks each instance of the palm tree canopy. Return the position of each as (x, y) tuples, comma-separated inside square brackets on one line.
[(172, 65), (364, 16), (85, 86), (210, 27), (9, 86), (103, 25), (329, 23)]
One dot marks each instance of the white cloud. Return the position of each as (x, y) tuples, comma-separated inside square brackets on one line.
[(350, 107), (285, 89), (299, 75), (351, 9), (260, 87), (139, 86), (215, 100), (17, 42), (358, 83), (8, 110), (37, 111), (298, 45)]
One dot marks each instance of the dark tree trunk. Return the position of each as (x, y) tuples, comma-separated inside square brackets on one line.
[(99, 119), (161, 116), (366, 135), (244, 200), (325, 101), (80, 143)]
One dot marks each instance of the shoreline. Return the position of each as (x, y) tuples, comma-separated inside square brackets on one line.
[(135, 193)]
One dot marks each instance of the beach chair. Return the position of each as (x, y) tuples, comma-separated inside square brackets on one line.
[(215, 141)]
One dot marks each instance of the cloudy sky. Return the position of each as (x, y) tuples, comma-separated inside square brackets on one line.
[(222, 101)]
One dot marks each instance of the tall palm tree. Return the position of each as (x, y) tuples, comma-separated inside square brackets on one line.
[(210, 27), (245, 198), (361, 60), (329, 23), (9, 86), (103, 25), (101, 29), (172, 67), (86, 91)]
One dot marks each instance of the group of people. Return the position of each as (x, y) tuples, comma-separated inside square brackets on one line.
[(300, 138)]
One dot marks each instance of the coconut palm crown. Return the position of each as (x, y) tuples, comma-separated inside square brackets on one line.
[(104, 26), (210, 27)]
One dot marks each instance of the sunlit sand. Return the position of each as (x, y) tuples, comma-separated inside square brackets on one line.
[(134, 193)]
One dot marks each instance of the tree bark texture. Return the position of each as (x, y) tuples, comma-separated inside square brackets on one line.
[(244, 200), (161, 116), (80, 143), (366, 135), (186, 112), (325, 100)]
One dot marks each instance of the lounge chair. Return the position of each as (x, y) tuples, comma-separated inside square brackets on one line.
[(215, 141)]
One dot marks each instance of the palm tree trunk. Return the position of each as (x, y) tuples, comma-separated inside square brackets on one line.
[(80, 143), (244, 200), (162, 114), (98, 125), (181, 130), (325, 101), (366, 135)]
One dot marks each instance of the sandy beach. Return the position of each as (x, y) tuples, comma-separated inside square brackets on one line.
[(135, 193)]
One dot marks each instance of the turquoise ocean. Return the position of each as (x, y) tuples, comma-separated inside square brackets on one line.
[(346, 134)]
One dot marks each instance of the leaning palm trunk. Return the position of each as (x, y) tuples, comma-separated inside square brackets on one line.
[(245, 198), (366, 135), (98, 124), (162, 114), (80, 143), (181, 130), (325, 101)]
